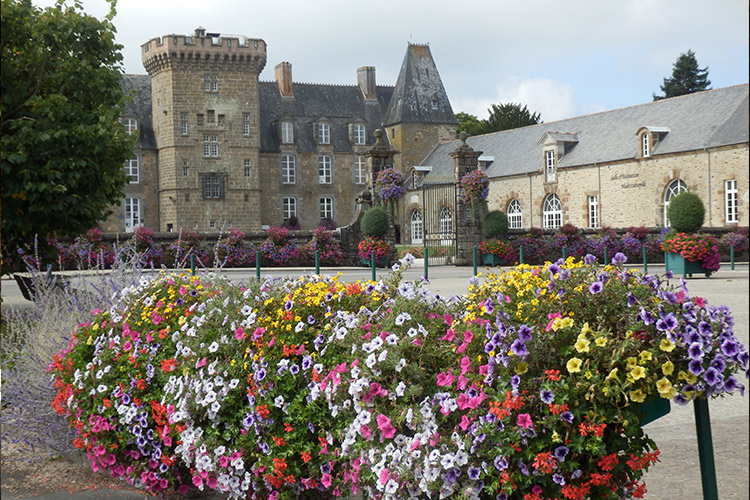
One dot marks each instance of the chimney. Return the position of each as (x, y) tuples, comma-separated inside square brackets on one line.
[(200, 32), (284, 79), (366, 82)]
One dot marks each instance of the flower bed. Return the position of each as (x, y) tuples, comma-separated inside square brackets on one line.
[(524, 388)]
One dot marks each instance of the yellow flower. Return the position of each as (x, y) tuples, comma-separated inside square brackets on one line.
[(637, 396), (666, 346), (586, 329), (613, 375), (582, 345), (574, 365), (667, 368), (600, 341), (522, 367), (645, 356), (638, 372), (556, 437), (588, 374), (665, 388), (631, 362)]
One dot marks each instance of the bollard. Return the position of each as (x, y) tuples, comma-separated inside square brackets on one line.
[(426, 255), (645, 261), (731, 255), (317, 262), (257, 265), (192, 264), (565, 252), (705, 449), (606, 260), (474, 255), (520, 254), (372, 264)]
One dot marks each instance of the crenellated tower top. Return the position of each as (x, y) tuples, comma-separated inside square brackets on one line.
[(203, 50)]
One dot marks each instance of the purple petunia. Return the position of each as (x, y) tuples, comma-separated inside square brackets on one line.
[(547, 396), (474, 472), (567, 416), (619, 259), (561, 452), (712, 376), (524, 333), (695, 351), (518, 348), (729, 348), (695, 367), (501, 463), (589, 259), (667, 323), (595, 287)]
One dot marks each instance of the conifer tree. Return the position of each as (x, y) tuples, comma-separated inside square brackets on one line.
[(686, 78)]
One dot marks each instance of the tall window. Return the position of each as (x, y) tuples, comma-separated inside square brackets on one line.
[(324, 133), (288, 169), (549, 157), (675, 187), (131, 125), (183, 124), (593, 212), (645, 149), (210, 145), (132, 170), (213, 186), (360, 172), (326, 208), (246, 164), (552, 212), (416, 228), (210, 82), (324, 169), (359, 134), (414, 179), (446, 220), (731, 201), (287, 133), (132, 214), (288, 208), (515, 215), (245, 124)]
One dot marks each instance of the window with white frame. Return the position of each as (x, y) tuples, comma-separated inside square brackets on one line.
[(416, 227), (326, 208), (210, 82), (414, 179), (247, 164), (359, 134), (245, 124), (593, 212), (549, 160), (324, 133), (324, 169), (645, 145), (210, 145), (673, 189), (731, 201), (213, 186), (360, 170), (287, 133), (446, 220), (288, 169), (131, 125), (552, 212), (515, 215), (132, 170), (185, 171), (132, 214), (288, 207), (183, 124)]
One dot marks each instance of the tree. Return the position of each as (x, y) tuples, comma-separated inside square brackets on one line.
[(501, 117), (686, 78), (63, 146)]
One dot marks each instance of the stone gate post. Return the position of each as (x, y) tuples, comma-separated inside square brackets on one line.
[(468, 222)]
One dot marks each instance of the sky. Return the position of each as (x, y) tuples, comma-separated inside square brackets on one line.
[(560, 59)]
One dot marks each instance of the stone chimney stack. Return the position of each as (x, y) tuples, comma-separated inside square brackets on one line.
[(366, 82), (200, 32), (284, 79)]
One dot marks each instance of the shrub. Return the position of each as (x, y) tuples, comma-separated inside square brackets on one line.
[(292, 223), (327, 223), (495, 224), (277, 248), (686, 212), (737, 239), (374, 223), (328, 247), (233, 251)]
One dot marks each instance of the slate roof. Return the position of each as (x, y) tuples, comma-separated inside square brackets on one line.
[(706, 119), (340, 105), (419, 86), (138, 87)]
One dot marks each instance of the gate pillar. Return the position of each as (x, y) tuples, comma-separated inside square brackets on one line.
[(468, 225), (380, 157)]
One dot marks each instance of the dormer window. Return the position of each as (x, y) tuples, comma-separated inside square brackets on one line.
[(358, 134), (287, 133), (131, 125), (649, 136), (434, 104), (645, 151), (549, 161), (324, 133)]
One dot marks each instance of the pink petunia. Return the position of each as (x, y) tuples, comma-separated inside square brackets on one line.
[(524, 420), (239, 333), (325, 480), (384, 476), (449, 335), (366, 432), (465, 364), (465, 422), (445, 379), (384, 424)]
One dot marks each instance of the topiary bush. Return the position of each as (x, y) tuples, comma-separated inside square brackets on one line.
[(495, 224), (686, 212), (374, 223)]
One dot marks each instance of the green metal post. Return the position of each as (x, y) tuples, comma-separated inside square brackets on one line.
[(520, 254), (705, 449), (645, 261), (731, 255), (474, 254), (257, 265), (372, 264), (317, 261), (606, 259), (426, 261), (192, 264), (565, 252)]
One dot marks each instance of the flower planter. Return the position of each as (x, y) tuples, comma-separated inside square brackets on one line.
[(654, 408), (680, 265), (489, 259)]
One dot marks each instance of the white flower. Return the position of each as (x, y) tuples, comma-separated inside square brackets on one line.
[(448, 461), (101, 388), (391, 339), (383, 355), (401, 364), (403, 317), (400, 389), (278, 402), (391, 487), (371, 360), (213, 347)]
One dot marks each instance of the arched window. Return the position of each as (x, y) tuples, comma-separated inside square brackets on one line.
[(416, 228), (515, 215), (552, 212), (446, 220), (675, 187)]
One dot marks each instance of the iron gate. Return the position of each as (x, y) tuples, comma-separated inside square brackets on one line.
[(439, 206)]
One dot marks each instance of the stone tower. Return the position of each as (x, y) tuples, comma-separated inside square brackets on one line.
[(206, 123)]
